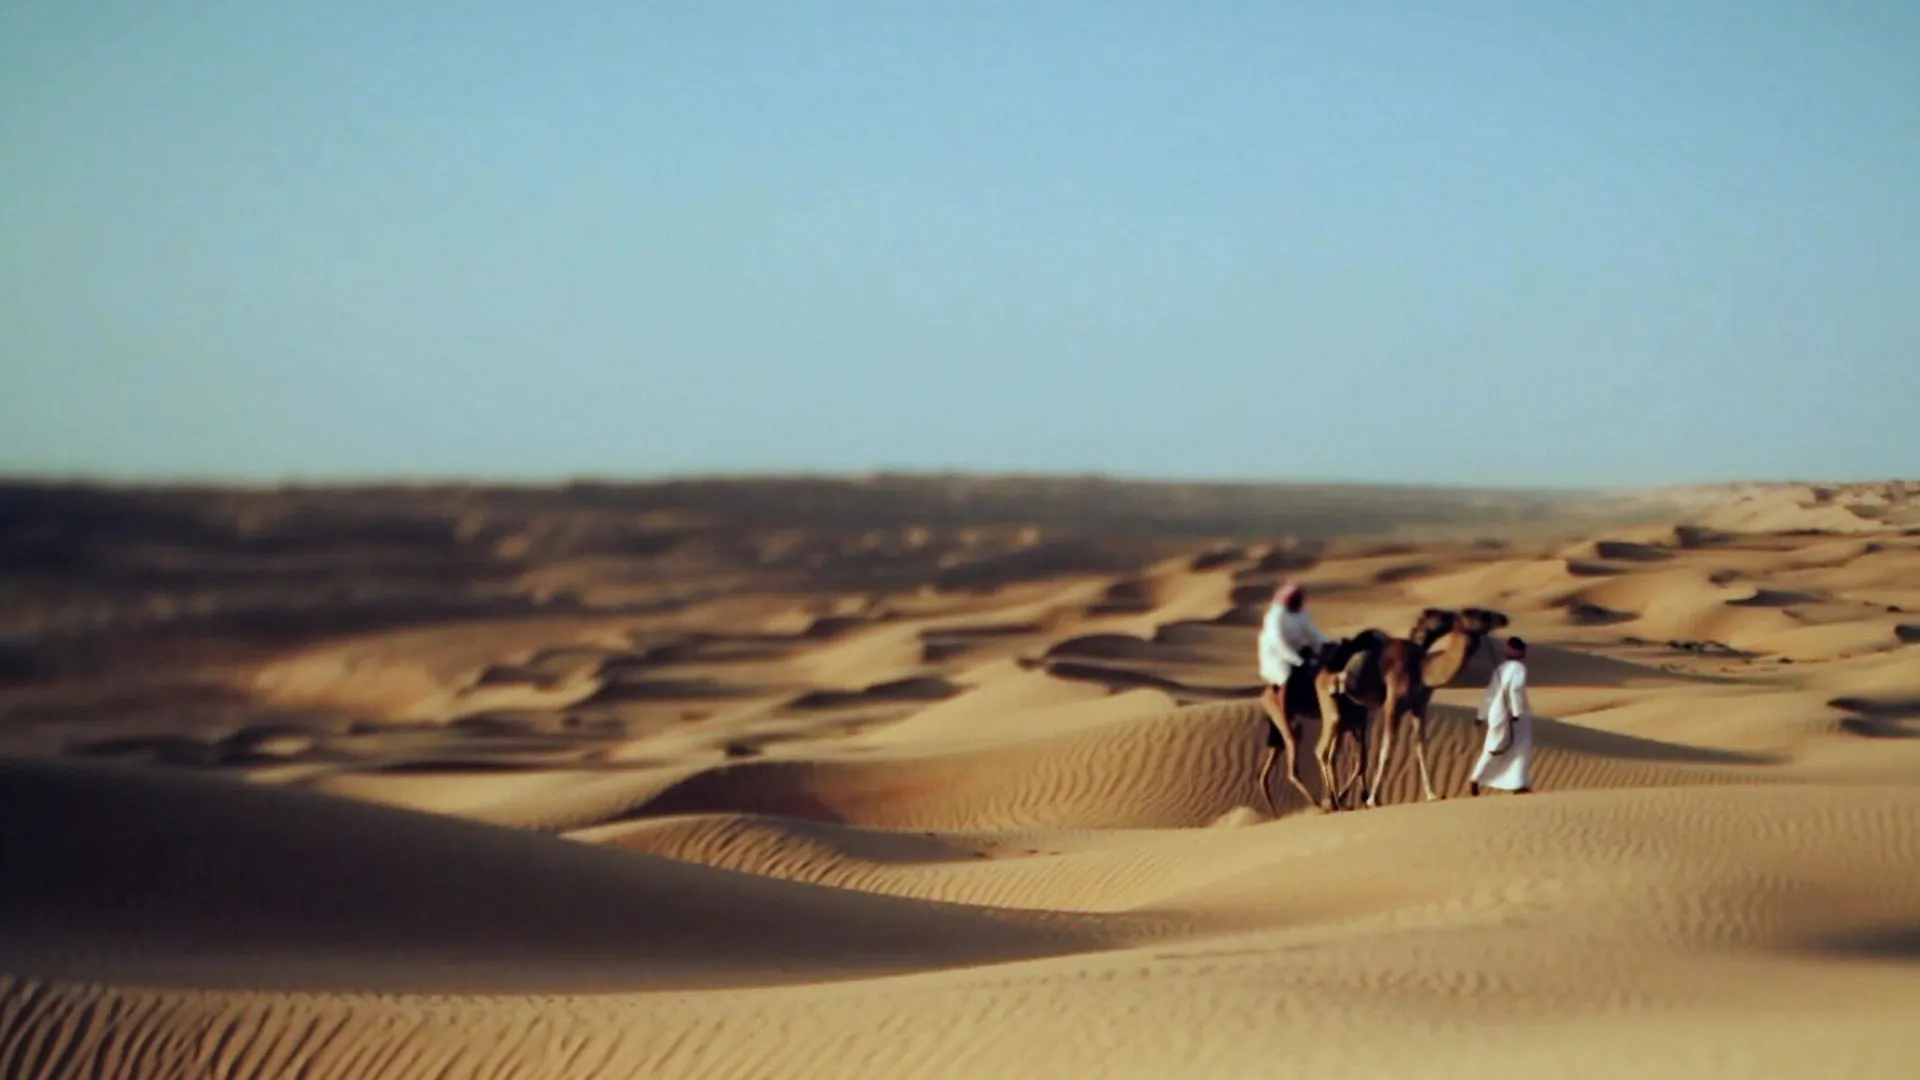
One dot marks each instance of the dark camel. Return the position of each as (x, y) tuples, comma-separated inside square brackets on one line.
[(1407, 672), (1369, 681), (1315, 696)]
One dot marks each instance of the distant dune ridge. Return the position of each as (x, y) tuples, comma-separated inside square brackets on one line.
[(941, 777)]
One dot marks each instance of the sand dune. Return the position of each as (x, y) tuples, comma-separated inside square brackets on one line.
[(211, 883), (936, 782)]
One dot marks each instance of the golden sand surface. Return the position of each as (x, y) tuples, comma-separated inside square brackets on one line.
[(901, 777)]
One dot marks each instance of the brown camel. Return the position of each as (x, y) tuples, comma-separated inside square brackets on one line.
[(1366, 676), (1400, 680), (1343, 691), (1304, 697)]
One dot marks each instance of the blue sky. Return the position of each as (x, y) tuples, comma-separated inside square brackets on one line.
[(1470, 242)]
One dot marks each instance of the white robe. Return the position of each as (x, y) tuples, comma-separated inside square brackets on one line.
[(1508, 713), (1284, 636)]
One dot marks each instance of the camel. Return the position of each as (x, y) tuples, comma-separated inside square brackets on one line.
[(1371, 680), (1317, 696), (1346, 689), (1403, 674)]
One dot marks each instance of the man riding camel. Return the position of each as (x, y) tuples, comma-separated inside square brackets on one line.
[(1288, 638), (1288, 642)]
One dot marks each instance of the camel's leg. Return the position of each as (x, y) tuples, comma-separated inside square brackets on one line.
[(1276, 706), (1419, 718), (1328, 742), (1388, 715), (1323, 751), (1266, 772), (1268, 758), (1344, 787), (1359, 773)]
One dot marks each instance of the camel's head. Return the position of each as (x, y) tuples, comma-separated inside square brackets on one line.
[(1482, 621), (1479, 624), (1432, 625), (1474, 626)]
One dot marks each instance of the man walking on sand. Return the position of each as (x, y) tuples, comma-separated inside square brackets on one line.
[(1509, 718)]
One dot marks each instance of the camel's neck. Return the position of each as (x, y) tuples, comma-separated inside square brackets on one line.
[(1441, 667)]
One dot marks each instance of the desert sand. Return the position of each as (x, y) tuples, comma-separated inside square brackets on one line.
[(941, 777)]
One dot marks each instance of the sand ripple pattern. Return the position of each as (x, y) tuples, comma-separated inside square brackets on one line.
[(696, 782)]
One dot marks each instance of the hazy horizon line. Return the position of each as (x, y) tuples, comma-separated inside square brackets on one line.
[(403, 479)]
